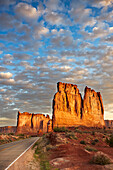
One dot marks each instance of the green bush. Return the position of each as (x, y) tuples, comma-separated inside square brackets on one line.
[(78, 131), (83, 142), (96, 140), (88, 148), (71, 135), (10, 133), (60, 129), (93, 132), (110, 141), (20, 134), (100, 159), (93, 142)]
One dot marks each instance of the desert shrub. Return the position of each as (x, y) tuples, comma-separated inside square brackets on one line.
[(93, 142), (60, 129), (86, 132), (83, 142), (89, 148), (20, 134), (78, 131), (52, 138), (96, 140), (2, 141), (93, 132), (71, 135), (10, 133), (100, 159), (110, 141)]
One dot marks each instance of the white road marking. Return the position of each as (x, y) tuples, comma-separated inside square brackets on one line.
[(20, 155)]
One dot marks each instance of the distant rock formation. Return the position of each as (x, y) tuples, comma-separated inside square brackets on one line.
[(109, 124), (69, 109), (8, 129), (33, 123)]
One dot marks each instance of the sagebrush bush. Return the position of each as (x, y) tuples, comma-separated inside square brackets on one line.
[(78, 131), (60, 129), (71, 135), (100, 159), (93, 142), (96, 140), (93, 132), (110, 141), (89, 148), (83, 142)]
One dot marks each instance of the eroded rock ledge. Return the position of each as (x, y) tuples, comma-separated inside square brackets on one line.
[(69, 109)]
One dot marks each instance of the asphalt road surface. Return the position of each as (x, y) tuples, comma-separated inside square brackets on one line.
[(9, 152)]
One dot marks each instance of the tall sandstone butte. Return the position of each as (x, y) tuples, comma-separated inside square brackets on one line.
[(67, 105), (69, 109), (93, 110)]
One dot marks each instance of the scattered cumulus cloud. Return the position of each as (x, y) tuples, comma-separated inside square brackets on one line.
[(26, 11), (5, 75), (44, 42)]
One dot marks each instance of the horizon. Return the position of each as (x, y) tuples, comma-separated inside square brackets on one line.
[(43, 42)]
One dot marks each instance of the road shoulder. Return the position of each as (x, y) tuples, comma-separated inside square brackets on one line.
[(26, 162)]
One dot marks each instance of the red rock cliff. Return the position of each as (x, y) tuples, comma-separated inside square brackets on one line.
[(70, 110), (32, 123), (93, 111), (67, 105)]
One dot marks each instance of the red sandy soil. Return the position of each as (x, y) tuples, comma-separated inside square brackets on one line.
[(72, 155)]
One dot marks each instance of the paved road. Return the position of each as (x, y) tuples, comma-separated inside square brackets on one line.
[(9, 152)]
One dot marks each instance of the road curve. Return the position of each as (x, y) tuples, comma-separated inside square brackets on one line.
[(9, 152)]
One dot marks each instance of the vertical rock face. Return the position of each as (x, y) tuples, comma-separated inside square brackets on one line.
[(93, 110), (67, 105), (32, 123), (109, 124), (70, 110)]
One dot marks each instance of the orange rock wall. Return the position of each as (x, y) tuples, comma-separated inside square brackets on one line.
[(32, 123), (109, 124), (70, 110), (93, 110), (67, 105)]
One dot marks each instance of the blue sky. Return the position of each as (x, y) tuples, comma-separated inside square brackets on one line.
[(44, 42)]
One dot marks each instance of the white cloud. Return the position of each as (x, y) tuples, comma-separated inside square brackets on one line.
[(5, 75), (55, 19), (43, 30), (2, 90), (27, 11)]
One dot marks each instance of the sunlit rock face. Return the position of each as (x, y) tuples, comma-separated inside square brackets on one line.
[(67, 105), (93, 110), (32, 123), (70, 110)]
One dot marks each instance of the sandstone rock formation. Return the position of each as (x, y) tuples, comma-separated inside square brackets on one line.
[(93, 111), (67, 105), (69, 109), (8, 129), (32, 123), (109, 124)]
